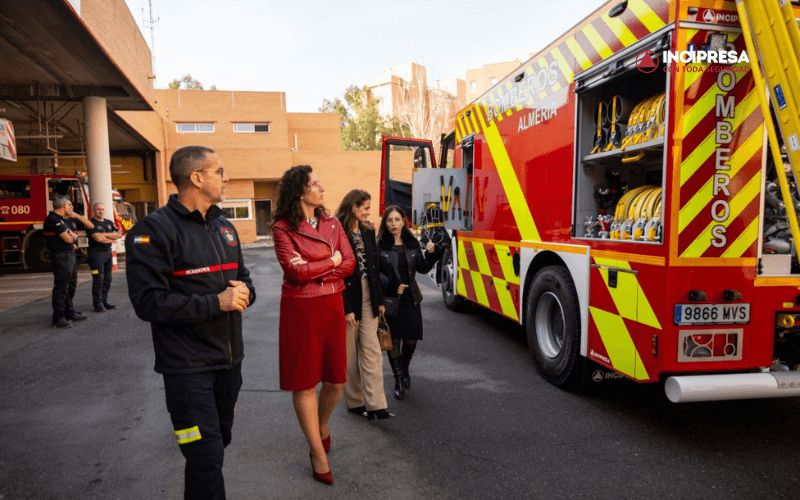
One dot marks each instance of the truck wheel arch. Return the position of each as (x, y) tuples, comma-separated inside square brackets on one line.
[(448, 276), (553, 326), (577, 263), (539, 260), (34, 244)]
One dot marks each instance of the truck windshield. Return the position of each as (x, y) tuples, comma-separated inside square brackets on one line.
[(71, 188)]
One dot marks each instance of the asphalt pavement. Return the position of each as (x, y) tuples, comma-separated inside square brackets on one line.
[(82, 416)]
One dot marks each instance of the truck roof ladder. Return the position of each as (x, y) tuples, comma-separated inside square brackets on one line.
[(773, 41)]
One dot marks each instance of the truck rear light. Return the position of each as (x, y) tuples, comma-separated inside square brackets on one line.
[(731, 294), (709, 345), (697, 295)]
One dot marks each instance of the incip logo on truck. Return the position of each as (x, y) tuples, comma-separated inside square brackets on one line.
[(717, 17)]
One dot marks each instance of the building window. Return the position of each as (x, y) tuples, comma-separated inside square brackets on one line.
[(195, 127), (493, 81), (473, 87), (251, 127), (236, 209)]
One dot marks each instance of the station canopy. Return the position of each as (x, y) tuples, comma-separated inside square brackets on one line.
[(51, 61)]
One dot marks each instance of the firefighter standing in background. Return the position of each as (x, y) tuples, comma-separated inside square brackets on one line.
[(186, 276), (101, 237), (60, 236)]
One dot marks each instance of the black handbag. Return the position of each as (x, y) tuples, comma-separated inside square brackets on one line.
[(392, 305)]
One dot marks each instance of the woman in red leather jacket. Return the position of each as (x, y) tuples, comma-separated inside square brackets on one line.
[(315, 255)]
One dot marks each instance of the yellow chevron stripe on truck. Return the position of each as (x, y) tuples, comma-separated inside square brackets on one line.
[(619, 344), (511, 185), (507, 264), (705, 194), (639, 310), (620, 30), (646, 15), (476, 277), (751, 191)]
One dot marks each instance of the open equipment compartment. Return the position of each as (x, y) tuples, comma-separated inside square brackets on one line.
[(620, 159)]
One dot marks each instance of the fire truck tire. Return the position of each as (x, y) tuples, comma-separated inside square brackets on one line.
[(448, 277), (38, 255), (553, 326)]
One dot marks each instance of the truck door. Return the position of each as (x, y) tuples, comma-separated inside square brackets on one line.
[(411, 180), (399, 159), (613, 310), (72, 189)]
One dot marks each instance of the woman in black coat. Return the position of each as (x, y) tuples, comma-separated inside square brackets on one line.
[(363, 301), (401, 257)]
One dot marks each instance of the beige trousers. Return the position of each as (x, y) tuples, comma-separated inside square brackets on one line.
[(364, 359)]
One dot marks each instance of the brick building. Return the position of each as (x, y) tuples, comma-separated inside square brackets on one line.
[(78, 86), (427, 110), (257, 140), (479, 80)]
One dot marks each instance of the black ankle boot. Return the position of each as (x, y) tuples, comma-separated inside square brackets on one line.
[(408, 353), (397, 370), (405, 378)]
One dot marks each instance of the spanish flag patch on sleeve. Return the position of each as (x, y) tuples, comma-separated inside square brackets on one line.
[(143, 240)]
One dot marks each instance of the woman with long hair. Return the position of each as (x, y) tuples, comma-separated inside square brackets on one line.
[(401, 257), (363, 302), (315, 255)]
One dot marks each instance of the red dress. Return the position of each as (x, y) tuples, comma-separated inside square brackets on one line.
[(312, 326), (312, 342)]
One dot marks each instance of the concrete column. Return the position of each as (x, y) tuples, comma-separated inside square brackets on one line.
[(98, 155), (161, 179)]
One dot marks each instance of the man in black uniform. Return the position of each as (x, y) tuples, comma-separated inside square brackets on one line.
[(101, 237), (186, 276), (59, 233)]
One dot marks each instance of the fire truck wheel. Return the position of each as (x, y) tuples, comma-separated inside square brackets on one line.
[(553, 326), (451, 300), (38, 255)]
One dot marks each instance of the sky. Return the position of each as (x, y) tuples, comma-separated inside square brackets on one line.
[(314, 50)]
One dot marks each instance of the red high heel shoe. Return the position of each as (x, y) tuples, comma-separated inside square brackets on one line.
[(325, 477), (326, 443)]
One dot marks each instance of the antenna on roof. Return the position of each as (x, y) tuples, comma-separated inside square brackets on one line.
[(151, 25)]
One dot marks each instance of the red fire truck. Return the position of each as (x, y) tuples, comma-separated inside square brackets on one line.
[(25, 201), (615, 195)]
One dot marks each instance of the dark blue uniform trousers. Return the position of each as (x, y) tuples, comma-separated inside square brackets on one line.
[(65, 280), (101, 264), (201, 406)]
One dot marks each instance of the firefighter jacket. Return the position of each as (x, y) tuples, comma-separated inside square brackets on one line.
[(318, 276), (177, 262), (418, 259)]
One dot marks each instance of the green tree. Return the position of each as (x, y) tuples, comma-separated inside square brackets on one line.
[(187, 83), (362, 125)]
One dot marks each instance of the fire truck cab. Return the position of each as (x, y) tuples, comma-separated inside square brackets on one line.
[(25, 201), (615, 195)]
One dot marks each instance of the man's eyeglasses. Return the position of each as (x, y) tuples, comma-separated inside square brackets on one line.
[(220, 171)]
